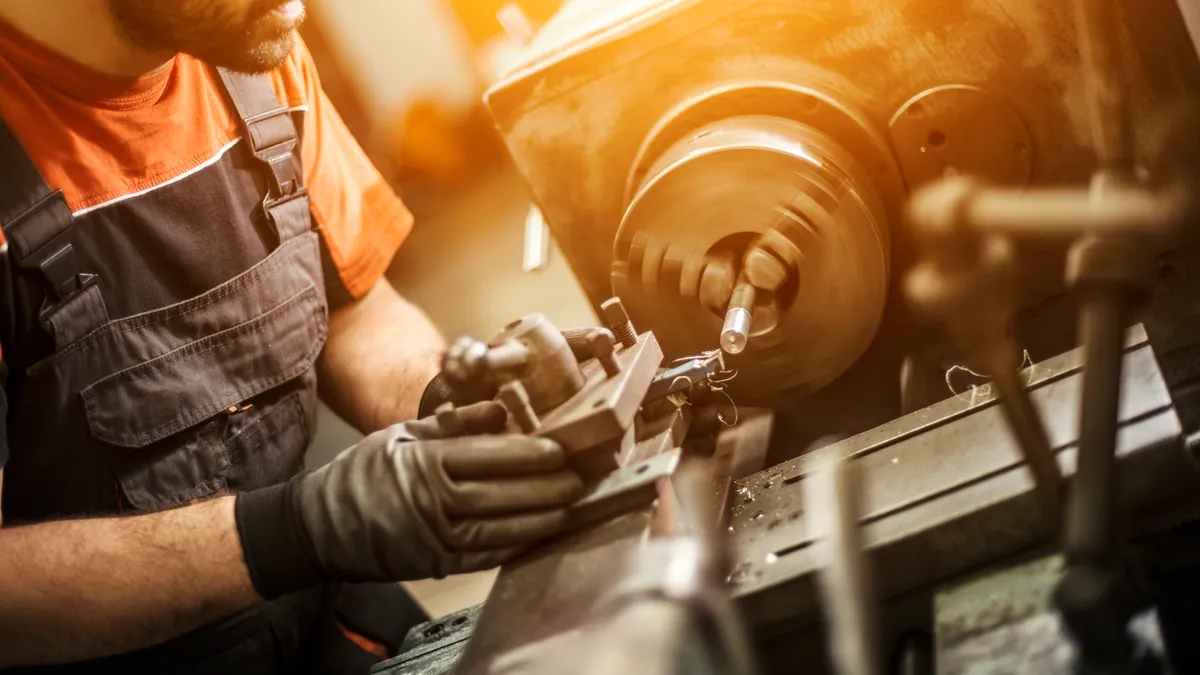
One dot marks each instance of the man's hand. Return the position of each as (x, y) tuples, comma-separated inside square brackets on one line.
[(411, 503)]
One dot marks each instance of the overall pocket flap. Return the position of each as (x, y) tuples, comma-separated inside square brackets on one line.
[(150, 401)]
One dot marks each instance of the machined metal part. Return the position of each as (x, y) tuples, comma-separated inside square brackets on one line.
[(735, 333), (666, 614), (550, 373), (624, 490), (604, 409), (946, 489), (719, 191), (940, 132), (587, 409)]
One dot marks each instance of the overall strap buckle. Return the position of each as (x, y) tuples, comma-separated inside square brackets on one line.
[(38, 239), (273, 140), (271, 134)]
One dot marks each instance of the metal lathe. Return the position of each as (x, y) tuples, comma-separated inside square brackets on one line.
[(900, 371)]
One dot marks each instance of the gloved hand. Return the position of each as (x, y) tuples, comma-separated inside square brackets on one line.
[(408, 503)]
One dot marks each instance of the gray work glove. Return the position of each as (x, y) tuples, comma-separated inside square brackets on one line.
[(410, 502)]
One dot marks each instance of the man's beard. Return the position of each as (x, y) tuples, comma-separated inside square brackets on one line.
[(246, 36)]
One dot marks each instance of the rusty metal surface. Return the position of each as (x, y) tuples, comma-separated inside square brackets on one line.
[(946, 490), (964, 130)]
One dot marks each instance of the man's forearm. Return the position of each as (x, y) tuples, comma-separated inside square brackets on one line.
[(81, 589), (381, 353)]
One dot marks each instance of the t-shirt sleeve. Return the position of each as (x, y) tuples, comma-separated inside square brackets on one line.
[(362, 220)]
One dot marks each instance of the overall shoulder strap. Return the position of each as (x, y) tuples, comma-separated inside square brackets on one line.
[(37, 223), (31, 212), (268, 128)]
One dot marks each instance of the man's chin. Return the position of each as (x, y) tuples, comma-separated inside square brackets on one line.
[(262, 58)]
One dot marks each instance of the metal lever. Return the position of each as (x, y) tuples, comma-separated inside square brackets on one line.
[(834, 500)]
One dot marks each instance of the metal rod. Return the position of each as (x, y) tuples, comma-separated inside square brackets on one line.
[(735, 334), (1091, 514), (834, 498), (1073, 213), (1026, 424), (1064, 214)]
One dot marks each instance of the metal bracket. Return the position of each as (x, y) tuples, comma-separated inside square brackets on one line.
[(605, 407), (625, 489)]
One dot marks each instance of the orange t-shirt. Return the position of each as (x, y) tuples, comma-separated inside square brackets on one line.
[(103, 140)]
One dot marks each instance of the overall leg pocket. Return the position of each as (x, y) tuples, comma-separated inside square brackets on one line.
[(267, 440), (191, 465)]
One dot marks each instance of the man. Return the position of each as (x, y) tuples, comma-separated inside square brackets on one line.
[(189, 250)]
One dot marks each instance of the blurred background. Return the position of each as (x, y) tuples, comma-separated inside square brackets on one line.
[(408, 77)]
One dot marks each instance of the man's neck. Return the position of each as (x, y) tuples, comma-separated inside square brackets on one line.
[(84, 31)]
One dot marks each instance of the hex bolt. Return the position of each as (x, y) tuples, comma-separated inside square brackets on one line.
[(618, 321), (603, 346), (514, 397)]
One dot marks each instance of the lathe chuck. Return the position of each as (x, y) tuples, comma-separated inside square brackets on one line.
[(764, 210)]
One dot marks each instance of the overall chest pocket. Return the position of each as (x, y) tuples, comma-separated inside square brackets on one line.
[(225, 411)]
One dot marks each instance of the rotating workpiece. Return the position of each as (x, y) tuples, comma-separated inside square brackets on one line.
[(764, 236)]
